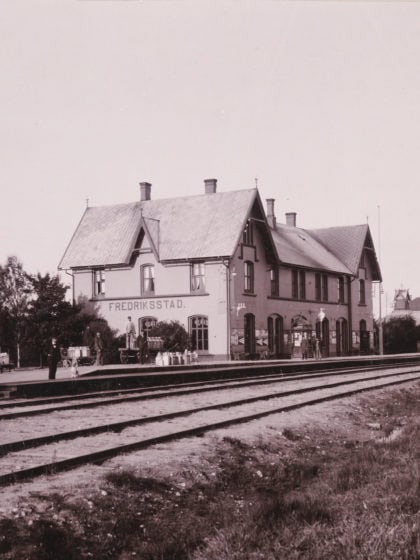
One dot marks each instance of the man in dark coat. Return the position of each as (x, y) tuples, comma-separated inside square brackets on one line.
[(54, 357), (99, 346), (143, 348)]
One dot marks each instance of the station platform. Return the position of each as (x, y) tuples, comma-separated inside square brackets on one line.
[(29, 383)]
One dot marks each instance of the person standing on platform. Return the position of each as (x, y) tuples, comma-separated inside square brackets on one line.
[(143, 348), (99, 346), (317, 349), (304, 348), (54, 357), (130, 334)]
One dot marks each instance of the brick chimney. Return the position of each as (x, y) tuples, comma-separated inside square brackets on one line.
[(271, 218), (210, 186), (145, 191), (291, 219)]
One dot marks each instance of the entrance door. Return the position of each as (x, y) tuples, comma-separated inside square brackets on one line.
[(275, 335), (364, 338), (301, 329), (249, 333), (342, 337), (323, 334)]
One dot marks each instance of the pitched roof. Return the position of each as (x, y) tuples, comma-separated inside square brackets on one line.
[(198, 226), (299, 247), (347, 243), (206, 226)]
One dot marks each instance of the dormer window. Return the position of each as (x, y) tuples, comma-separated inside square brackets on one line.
[(148, 280)]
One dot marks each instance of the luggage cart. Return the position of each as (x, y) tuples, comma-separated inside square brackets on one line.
[(82, 354)]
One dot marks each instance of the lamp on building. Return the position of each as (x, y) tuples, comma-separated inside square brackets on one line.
[(321, 315)]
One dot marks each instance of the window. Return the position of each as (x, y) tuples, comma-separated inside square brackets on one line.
[(362, 293), (148, 279), (341, 290), (248, 235), (198, 277), (249, 277), (99, 283), (146, 324), (324, 287), (318, 286), (274, 281), (302, 284), (298, 284), (199, 332), (295, 284)]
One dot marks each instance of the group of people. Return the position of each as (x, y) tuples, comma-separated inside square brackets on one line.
[(55, 356), (133, 343), (311, 347)]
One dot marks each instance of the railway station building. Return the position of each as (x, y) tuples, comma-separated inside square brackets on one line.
[(242, 283)]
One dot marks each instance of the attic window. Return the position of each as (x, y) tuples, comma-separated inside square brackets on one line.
[(248, 235)]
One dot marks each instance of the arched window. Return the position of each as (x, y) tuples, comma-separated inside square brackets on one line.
[(148, 280), (249, 277), (146, 324), (199, 332)]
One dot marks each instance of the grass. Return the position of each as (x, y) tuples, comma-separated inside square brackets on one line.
[(325, 498)]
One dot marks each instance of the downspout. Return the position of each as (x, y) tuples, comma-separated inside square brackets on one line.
[(228, 310), (350, 314)]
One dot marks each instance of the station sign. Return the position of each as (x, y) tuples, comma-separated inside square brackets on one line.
[(146, 304)]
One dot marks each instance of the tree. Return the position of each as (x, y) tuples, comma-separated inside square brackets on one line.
[(400, 335), (15, 293), (173, 334), (48, 311)]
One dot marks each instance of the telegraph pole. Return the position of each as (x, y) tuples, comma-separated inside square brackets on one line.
[(380, 332)]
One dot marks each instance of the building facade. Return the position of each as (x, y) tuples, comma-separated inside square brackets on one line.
[(243, 284)]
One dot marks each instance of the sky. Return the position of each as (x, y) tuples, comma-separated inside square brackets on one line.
[(317, 101)]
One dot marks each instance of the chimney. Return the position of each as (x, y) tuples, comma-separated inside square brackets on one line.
[(291, 219), (210, 186), (271, 218), (145, 191)]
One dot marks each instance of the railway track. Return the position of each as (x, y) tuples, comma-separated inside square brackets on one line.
[(70, 448), (38, 406)]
